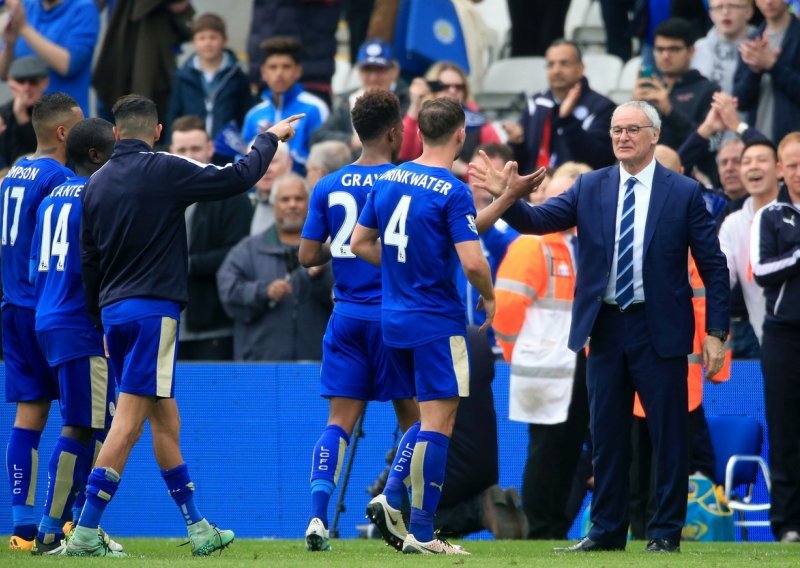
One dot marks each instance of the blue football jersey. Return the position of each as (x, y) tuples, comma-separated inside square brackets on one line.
[(333, 210), (56, 260), (421, 212), (26, 184)]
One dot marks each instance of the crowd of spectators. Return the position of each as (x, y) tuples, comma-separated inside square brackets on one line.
[(724, 76)]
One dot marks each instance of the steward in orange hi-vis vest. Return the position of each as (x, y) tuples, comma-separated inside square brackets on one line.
[(534, 291), (695, 376)]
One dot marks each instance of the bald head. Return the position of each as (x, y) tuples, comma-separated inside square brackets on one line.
[(668, 158), (557, 186)]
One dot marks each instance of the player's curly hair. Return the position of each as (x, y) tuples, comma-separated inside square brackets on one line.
[(374, 113), (280, 45)]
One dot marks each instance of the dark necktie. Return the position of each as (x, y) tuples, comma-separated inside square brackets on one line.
[(624, 294)]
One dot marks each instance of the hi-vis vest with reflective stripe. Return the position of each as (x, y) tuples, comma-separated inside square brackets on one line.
[(695, 376), (534, 291)]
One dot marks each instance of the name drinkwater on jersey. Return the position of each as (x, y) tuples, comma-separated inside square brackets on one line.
[(424, 181)]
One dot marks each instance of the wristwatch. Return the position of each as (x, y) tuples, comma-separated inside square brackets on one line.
[(718, 333), (741, 128)]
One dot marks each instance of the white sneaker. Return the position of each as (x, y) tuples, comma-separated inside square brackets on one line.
[(436, 546), (317, 539), (388, 520)]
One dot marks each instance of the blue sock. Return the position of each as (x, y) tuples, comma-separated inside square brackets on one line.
[(181, 489), (428, 466), (91, 453), (325, 468), (64, 481), (102, 485), (401, 466), (22, 462)]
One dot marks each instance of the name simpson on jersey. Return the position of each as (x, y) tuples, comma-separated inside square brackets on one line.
[(23, 172), (420, 180)]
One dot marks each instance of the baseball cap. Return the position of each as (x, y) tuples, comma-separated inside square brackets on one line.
[(28, 67), (375, 52)]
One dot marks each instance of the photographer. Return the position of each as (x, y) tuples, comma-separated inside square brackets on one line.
[(279, 309)]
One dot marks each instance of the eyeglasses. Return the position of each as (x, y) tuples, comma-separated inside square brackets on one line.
[(726, 7), (668, 49), (632, 130)]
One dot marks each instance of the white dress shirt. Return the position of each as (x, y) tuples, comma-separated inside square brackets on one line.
[(641, 190)]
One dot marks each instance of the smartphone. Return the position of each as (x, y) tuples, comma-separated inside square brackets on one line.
[(646, 72)]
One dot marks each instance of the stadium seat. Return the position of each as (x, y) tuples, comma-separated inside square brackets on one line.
[(576, 16), (507, 79), (592, 32), (627, 81), (603, 71), (737, 447)]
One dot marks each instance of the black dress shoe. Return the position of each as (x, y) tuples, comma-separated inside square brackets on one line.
[(588, 545), (662, 545)]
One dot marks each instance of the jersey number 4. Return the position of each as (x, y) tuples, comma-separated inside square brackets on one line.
[(15, 193), (395, 233), (54, 244)]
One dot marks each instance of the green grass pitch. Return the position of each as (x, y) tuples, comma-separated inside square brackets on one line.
[(157, 553)]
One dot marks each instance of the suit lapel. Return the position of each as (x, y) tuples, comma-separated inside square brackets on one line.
[(609, 194), (662, 185)]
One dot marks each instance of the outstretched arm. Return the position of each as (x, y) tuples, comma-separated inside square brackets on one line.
[(365, 244)]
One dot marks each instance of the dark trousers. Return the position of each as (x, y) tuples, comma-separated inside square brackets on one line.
[(553, 452), (701, 458), (535, 24), (622, 360), (617, 20), (780, 363), (217, 349)]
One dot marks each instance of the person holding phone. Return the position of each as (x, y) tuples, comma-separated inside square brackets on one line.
[(446, 80)]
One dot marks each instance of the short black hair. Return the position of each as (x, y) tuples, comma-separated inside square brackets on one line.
[(561, 41), (761, 142), (496, 150), (134, 115), (374, 113), (280, 45), (677, 28), (50, 111), (439, 119), (87, 134)]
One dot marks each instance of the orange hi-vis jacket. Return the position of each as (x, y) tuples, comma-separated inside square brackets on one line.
[(695, 376), (534, 292)]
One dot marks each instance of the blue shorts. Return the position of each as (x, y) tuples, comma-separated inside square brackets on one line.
[(440, 368), (28, 376), (143, 354), (357, 364), (87, 392)]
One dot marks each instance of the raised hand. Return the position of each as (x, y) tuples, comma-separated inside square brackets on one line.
[(485, 176), (570, 101), (284, 129)]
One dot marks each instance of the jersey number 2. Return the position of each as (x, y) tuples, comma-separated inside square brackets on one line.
[(395, 233), (60, 246), (338, 247)]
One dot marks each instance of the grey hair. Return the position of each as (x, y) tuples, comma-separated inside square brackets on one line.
[(329, 156), (648, 109), (281, 180)]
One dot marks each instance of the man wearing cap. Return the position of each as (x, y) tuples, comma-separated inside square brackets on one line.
[(63, 33), (377, 69), (27, 80)]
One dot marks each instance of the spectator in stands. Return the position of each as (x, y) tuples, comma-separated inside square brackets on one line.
[(760, 178), (279, 309), (567, 121), (27, 79), (378, 69), (138, 51), (534, 291), (767, 78), (281, 69), (313, 23), (535, 24), (62, 33), (619, 30), (775, 261), (681, 95), (212, 229), (716, 54), (211, 84), (324, 158), (445, 79), (264, 215)]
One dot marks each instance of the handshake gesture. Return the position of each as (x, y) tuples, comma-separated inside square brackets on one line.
[(498, 182)]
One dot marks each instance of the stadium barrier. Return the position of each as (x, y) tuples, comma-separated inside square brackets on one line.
[(247, 435)]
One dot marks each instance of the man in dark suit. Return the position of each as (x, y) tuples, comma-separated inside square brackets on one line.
[(633, 298)]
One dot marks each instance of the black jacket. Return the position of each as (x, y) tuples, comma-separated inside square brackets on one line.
[(17, 140), (776, 259), (133, 232), (215, 228)]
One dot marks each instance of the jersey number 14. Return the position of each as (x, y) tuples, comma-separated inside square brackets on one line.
[(54, 244)]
